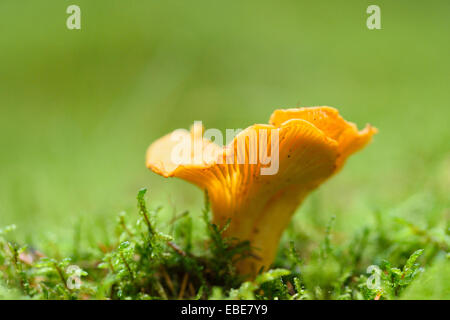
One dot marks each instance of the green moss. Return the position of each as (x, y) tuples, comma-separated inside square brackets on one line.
[(140, 262)]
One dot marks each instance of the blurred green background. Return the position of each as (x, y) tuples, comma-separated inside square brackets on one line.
[(80, 107)]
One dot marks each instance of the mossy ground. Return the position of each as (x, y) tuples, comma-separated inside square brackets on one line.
[(140, 262)]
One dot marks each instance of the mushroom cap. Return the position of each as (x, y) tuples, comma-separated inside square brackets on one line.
[(312, 144), (329, 121)]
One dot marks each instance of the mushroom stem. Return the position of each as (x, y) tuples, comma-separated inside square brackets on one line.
[(264, 236)]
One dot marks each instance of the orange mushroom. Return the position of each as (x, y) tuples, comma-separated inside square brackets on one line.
[(309, 146)]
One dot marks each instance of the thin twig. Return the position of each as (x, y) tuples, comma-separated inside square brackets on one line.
[(168, 281), (176, 248), (183, 286), (127, 265)]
